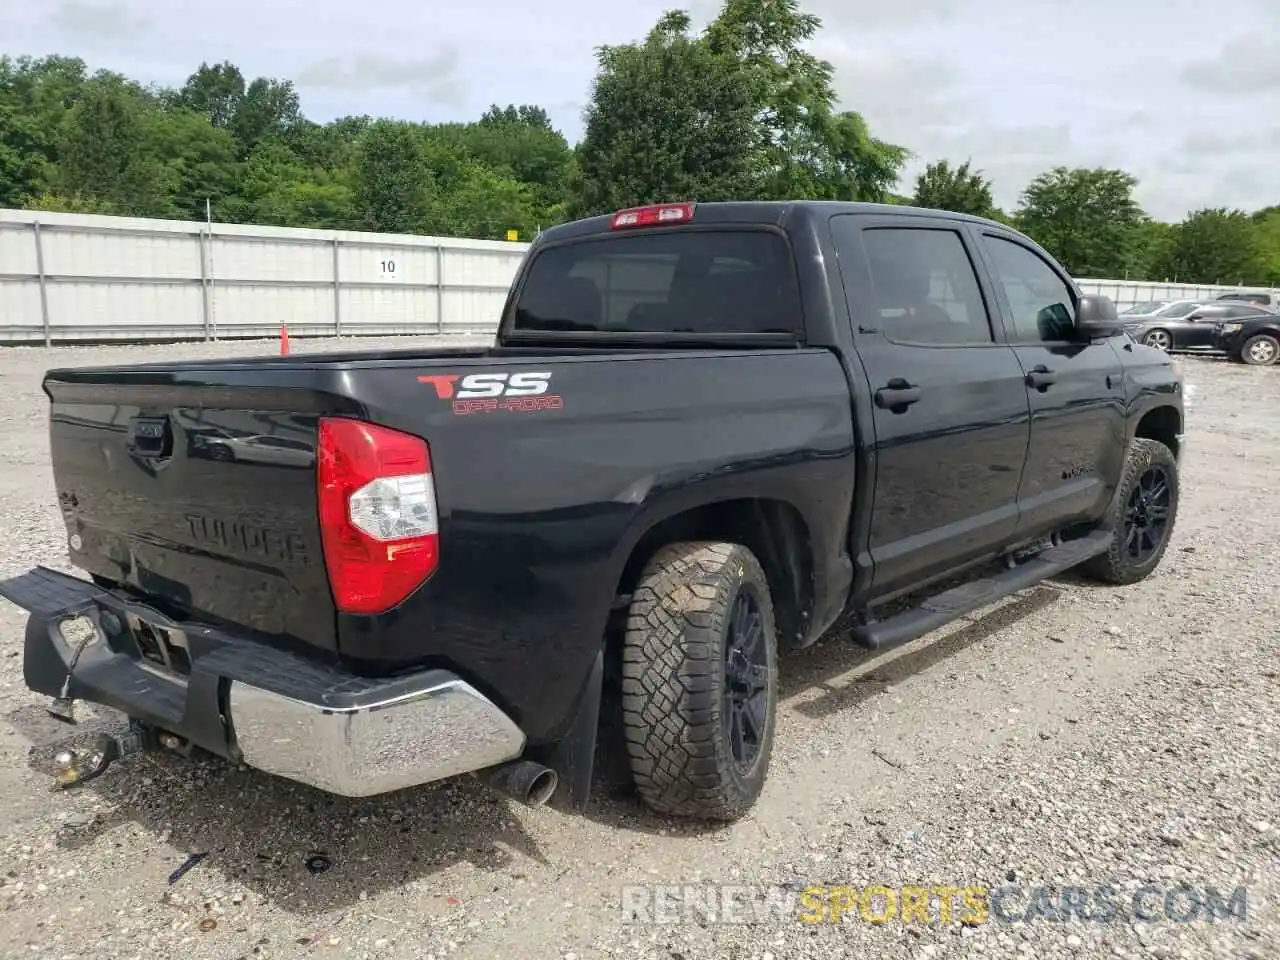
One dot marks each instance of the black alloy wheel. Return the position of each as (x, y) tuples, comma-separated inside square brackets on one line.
[(746, 674), (1146, 516)]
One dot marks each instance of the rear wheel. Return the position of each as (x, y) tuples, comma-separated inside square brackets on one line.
[(1260, 351), (1142, 516), (699, 681), (1159, 339)]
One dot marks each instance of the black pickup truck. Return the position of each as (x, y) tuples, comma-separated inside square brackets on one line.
[(704, 432)]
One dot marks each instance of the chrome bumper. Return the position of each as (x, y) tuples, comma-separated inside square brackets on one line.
[(442, 729)]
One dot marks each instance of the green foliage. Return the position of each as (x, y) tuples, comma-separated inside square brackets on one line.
[(1215, 246), (105, 153), (741, 110), (1086, 217), (393, 182), (959, 190), (669, 119), (1267, 223)]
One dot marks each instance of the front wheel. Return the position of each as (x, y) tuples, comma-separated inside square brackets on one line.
[(700, 681), (1260, 351), (1142, 515)]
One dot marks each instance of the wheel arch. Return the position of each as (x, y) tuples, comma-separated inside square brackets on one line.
[(773, 529), (1162, 423)]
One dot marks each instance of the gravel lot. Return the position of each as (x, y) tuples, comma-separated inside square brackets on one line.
[(1074, 736)]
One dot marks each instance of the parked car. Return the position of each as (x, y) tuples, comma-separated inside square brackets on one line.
[(704, 432), (1254, 340), (1271, 301), (1161, 308), (1197, 331)]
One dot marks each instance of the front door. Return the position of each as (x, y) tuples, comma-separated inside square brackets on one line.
[(950, 406), (1076, 390)]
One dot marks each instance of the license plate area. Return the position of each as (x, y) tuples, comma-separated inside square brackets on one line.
[(160, 648)]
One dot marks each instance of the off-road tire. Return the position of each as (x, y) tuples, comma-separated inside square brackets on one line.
[(1248, 351), (674, 677), (1116, 566)]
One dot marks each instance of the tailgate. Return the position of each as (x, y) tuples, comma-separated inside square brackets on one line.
[(201, 495)]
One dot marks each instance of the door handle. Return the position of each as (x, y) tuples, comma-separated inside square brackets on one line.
[(1041, 378), (897, 395)]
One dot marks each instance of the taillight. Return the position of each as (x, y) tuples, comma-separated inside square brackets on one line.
[(656, 215), (378, 520)]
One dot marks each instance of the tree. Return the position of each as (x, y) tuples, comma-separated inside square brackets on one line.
[(200, 161), (805, 147), (1267, 224), (214, 93), (669, 119), (520, 143), (269, 108), (1215, 246), (741, 111), (104, 154), (393, 183), (959, 190), (1084, 217), (35, 96)]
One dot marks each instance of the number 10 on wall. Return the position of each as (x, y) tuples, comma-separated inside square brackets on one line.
[(388, 269)]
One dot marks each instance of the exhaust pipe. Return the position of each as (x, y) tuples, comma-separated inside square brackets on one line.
[(530, 783)]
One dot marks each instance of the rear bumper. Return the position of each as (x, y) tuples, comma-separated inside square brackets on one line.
[(282, 713)]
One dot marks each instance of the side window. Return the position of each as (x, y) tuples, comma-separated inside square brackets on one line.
[(1241, 311), (1041, 302), (925, 287)]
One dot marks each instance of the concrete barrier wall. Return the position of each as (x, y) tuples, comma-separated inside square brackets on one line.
[(80, 278)]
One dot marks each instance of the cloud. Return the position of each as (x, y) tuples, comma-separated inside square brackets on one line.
[(434, 76), (109, 19), (1246, 65), (897, 94), (867, 14), (1232, 145)]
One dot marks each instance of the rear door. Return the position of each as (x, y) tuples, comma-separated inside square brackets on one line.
[(1075, 387), (950, 407)]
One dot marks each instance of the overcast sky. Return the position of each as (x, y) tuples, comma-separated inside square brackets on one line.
[(1184, 94)]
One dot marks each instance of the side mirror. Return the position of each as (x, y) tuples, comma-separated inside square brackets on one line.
[(1096, 317)]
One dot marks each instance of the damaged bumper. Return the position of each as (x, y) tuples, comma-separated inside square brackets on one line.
[(281, 713)]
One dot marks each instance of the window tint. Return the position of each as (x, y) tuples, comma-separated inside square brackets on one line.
[(1242, 311), (925, 287), (695, 282), (1041, 303), (1150, 306), (1179, 310)]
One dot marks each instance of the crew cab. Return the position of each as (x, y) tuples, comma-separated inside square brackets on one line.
[(704, 432)]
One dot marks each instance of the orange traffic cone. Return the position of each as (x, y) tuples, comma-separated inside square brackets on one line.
[(284, 340)]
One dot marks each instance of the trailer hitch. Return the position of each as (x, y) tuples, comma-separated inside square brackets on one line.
[(73, 766)]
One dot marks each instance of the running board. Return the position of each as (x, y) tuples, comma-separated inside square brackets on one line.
[(939, 610)]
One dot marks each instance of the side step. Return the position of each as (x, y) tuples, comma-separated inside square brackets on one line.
[(937, 611)]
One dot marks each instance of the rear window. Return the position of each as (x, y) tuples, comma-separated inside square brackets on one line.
[(695, 282)]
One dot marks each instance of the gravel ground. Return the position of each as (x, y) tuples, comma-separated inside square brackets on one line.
[(1071, 737)]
